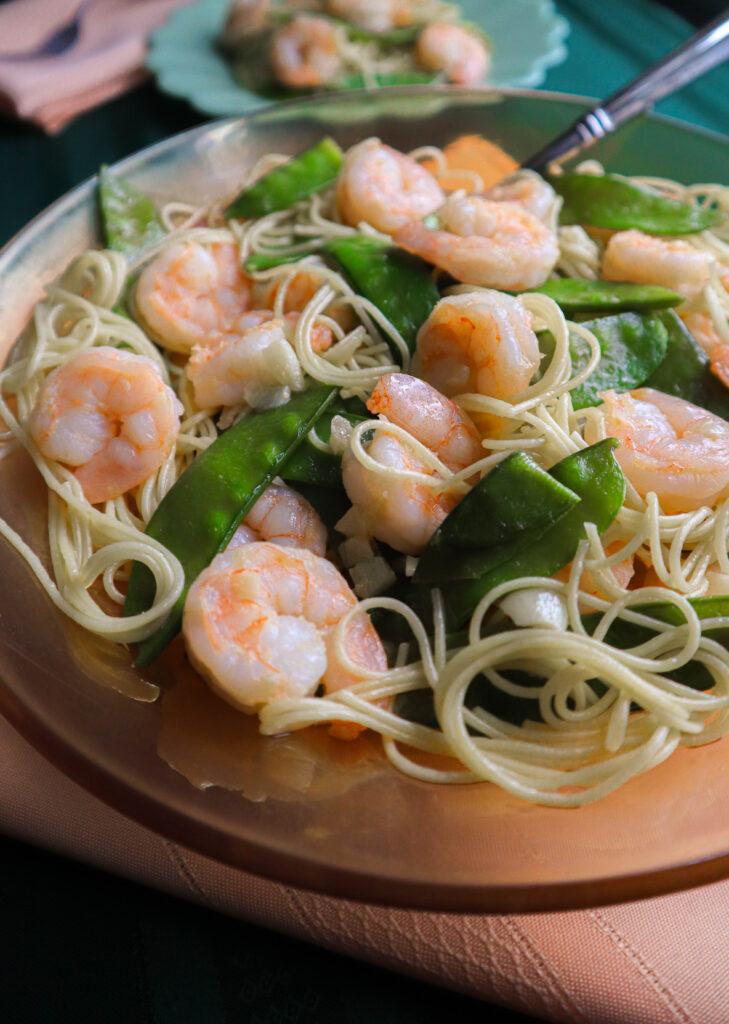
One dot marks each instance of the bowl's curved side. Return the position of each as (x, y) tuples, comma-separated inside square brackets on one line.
[(359, 830)]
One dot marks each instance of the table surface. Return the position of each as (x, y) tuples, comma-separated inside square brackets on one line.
[(104, 948)]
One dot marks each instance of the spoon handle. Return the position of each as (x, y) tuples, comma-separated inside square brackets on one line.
[(695, 57)]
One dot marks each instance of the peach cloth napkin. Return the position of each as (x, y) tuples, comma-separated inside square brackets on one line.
[(658, 961), (107, 59)]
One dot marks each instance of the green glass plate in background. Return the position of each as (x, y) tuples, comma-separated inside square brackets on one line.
[(527, 38)]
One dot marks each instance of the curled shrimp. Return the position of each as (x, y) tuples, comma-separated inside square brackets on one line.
[(305, 52), (282, 516), (452, 49), (191, 292), (528, 190), (384, 188), (108, 414), (645, 259), (668, 446), (480, 342), (402, 512), (483, 242), (259, 625), (299, 290), (257, 367)]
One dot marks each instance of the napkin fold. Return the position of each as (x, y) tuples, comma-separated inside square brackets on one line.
[(658, 961), (107, 59)]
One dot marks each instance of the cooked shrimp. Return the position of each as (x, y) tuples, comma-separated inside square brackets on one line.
[(257, 367), (259, 622), (528, 190), (455, 51), (702, 329), (108, 414), (482, 242), (374, 15), (479, 342), (385, 188), (645, 259), (281, 515), (191, 293), (405, 513), (305, 53), (425, 413), (300, 290), (667, 446)]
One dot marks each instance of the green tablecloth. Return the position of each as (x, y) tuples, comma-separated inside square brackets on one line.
[(100, 949)]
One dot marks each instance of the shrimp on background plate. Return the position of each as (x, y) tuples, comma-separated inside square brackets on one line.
[(384, 188), (191, 293), (108, 414), (668, 446), (459, 54), (405, 513), (305, 52), (259, 625), (482, 242), (375, 15)]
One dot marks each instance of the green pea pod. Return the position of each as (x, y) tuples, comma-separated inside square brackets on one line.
[(633, 346), (385, 78), (399, 284), (310, 171), (517, 499), (575, 296), (264, 261), (309, 464), (130, 220), (609, 201), (594, 475), (685, 371), (200, 513)]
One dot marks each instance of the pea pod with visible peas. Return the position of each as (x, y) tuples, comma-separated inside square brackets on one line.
[(609, 201), (310, 171), (200, 513)]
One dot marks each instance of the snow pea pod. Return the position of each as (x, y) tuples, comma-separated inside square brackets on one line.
[(594, 475), (685, 370), (265, 260), (130, 220), (309, 464), (399, 284), (310, 171), (200, 513), (633, 346), (610, 201), (515, 500), (575, 296)]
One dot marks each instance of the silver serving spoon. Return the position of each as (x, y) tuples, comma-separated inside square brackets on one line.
[(695, 57), (59, 41)]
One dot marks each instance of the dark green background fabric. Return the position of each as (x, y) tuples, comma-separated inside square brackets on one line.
[(91, 948)]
